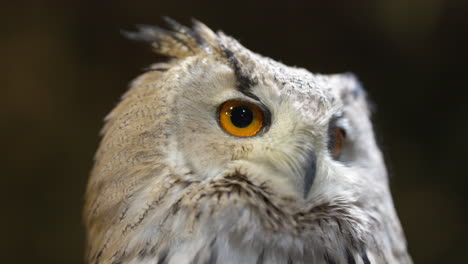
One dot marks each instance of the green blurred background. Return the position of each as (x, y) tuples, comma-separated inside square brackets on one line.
[(64, 66)]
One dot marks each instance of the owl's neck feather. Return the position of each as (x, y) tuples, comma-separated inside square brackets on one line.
[(233, 216)]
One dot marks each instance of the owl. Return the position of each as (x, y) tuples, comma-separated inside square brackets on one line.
[(221, 155)]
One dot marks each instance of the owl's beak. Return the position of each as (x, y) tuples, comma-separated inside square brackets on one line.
[(309, 172)]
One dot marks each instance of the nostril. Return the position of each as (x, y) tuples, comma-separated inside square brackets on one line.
[(309, 172)]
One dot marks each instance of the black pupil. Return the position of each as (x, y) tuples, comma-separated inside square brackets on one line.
[(241, 116)]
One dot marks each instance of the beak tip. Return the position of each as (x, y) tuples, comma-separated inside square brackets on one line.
[(310, 169)]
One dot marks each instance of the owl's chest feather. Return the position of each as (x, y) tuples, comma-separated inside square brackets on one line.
[(235, 221)]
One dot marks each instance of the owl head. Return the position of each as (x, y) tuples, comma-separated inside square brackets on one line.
[(222, 150)]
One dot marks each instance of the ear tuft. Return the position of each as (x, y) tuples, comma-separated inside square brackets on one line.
[(177, 42)]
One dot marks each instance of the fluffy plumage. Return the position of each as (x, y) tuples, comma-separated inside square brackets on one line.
[(170, 186)]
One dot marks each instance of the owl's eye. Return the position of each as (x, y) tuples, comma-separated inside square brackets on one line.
[(241, 119), (337, 137)]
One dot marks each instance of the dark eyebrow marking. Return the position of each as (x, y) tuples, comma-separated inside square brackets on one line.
[(248, 94), (244, 81)]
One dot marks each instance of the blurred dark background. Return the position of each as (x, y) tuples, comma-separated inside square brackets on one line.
[(64, 66)]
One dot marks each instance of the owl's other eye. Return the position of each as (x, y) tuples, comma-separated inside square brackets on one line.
[(240, 118), (337, 137)]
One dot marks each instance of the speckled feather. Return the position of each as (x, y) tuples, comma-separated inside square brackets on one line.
[(170, 186)]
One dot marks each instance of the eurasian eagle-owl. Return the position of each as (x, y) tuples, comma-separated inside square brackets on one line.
[(221, 155)]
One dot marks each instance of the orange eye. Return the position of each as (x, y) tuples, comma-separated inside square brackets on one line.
[(337, 140), (241, 119)]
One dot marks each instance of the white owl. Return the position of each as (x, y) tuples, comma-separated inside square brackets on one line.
[(221, 155)]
